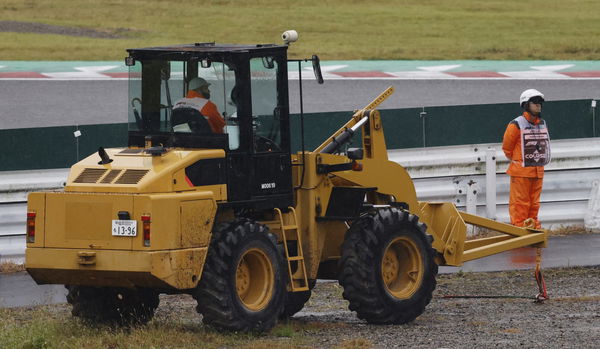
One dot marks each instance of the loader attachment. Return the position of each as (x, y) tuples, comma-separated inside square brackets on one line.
[(514, 237), (448, 226)]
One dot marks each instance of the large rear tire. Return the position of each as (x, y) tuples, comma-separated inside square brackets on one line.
[(242, 286), (387, 267), (111, 305)]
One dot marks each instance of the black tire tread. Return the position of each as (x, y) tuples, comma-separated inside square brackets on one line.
[(362, 282), (109, 305), (215, 294)]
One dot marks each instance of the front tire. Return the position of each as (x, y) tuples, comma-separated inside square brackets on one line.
[(242, 286), (387, 267)]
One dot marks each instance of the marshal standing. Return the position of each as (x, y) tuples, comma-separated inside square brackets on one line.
[(526, 144)]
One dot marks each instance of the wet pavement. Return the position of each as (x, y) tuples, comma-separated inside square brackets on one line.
[(562, 251), (18, 289)]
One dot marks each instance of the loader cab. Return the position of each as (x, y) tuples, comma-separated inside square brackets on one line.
[(248, 86)]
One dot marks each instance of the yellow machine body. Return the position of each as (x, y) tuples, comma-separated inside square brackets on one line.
[(322, 238), (73, 244)]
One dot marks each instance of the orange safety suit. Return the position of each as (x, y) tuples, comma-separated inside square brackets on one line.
[(207, 108), (525, 182)]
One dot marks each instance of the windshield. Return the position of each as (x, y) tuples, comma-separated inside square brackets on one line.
[(182, 97), (215, 102), (265, 105)]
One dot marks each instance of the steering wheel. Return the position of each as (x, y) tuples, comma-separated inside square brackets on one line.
[(264, 144)]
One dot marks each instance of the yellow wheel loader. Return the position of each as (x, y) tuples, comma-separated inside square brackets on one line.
[(231, 217)]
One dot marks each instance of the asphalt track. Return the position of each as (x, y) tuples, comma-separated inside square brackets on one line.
[(40, 103)]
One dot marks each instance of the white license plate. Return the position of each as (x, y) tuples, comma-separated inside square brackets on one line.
[(124, 227)]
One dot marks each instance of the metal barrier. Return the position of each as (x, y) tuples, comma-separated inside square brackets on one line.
[(452, 173), (462, 174), (14, 187)]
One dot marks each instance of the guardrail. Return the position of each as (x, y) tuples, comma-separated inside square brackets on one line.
[(460, 174), (452, 173), (14, 187)]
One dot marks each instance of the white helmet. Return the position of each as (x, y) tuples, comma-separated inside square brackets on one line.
[(528, 94), (198, 83)]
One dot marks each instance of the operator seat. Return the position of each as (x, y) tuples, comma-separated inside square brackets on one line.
[(193, 118)]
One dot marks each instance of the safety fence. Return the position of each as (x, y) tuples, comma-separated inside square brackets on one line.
[(14, 187), (458, 174), (463, 174)]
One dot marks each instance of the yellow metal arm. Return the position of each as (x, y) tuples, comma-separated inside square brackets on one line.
[(448, 226), (382, 97), (358, 115)]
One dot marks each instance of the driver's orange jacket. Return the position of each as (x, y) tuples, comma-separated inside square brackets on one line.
[(209, 111), (511, 145)]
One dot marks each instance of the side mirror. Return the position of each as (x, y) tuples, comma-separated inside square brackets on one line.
[(355, 153), (129, 61), (316, 62)]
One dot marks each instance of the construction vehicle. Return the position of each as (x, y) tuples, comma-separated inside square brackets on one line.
[(235, 219)]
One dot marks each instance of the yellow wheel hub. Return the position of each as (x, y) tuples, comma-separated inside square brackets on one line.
[(254, 280), (401, 268)]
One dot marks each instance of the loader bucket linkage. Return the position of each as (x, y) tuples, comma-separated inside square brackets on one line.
[(448, 226)]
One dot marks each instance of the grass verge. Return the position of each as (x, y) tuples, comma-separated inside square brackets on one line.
[(52, 327), (335, 29)]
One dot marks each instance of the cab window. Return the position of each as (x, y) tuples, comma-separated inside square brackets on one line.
[(165, 83), (265, 106)]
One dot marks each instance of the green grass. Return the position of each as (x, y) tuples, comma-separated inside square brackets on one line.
[(335, 29), (45, 328)]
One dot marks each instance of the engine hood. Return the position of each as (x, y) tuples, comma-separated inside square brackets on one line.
[(134, 170)]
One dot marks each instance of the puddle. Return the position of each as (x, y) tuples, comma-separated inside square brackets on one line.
[(562, 251), (19, 290)]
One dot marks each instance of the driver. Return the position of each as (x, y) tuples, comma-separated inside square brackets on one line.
[(198, 98)]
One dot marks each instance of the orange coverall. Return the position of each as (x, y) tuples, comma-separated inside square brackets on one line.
[(210, 111), (525, 182)]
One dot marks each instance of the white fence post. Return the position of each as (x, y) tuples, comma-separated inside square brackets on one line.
[(472, 189), (490, 183), (472, 197), (591, 219)]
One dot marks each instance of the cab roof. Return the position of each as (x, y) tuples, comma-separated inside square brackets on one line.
[(201, 49)]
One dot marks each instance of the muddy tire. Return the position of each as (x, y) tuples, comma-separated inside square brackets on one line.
[(295, 301), (110, 305), (387, 267), (242, 286)]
